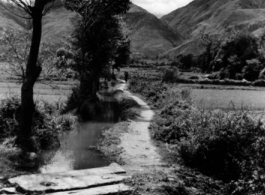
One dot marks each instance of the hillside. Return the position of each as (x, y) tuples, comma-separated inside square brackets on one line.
[(215, 17), (150, 36), (9, 20), (57, 24)]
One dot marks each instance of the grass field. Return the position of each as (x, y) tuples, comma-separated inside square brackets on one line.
[(215, 96), (229, 99), (50, 93)]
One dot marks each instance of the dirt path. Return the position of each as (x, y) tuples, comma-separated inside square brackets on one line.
[(136, 144)]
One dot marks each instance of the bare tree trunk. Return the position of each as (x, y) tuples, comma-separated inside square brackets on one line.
[(32, 73)]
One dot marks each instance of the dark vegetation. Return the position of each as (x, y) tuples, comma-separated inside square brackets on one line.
[(45, 128), (34, 10), (226, 146), (238, 56), (99, 45)]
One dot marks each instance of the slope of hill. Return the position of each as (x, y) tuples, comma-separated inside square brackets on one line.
[(215, 17), (9, 20), (150, 36), (57, 24)]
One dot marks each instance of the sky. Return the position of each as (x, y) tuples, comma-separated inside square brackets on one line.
[(160, 7)]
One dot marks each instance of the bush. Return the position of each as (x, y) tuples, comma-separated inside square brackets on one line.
[(128, 109), (170, 76), (44, 130), (9, 116), (73, 101), (186, 61), (252, 70), (226, 146), (173, 108), (171, 124)]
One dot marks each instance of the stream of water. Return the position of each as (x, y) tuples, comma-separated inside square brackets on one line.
[(78, 147), (77, 150)]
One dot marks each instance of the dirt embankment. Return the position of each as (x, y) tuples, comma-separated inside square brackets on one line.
[(137, 147)]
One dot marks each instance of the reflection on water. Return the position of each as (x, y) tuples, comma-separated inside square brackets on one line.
[(77, 150)]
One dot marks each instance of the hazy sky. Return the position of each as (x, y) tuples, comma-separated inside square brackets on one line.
[(161, 7)]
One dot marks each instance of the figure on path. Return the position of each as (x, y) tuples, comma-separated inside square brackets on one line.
[(126, 76)]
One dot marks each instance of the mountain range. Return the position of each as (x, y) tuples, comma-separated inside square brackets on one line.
[(215, 17), (149, 35), (177, 33)]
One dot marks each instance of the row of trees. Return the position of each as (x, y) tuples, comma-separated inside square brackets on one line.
[(97, 41), (238, 56), (100, 44)]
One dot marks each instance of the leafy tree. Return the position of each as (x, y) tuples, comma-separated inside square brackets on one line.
[(211, 46), (97, 41), (122, 56), (237, 56), (237, 53), (252, 70), (31, 10), (186, 61)]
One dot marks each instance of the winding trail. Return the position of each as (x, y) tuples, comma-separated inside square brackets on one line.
[(138, 149)]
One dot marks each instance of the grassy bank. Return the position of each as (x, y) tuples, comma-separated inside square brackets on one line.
[(46, 131), (224, 148)]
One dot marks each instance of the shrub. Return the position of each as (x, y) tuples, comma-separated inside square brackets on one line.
[(226, 146), (171, 75), (62, 52), (171, 124), (252, 70), (73, 101), (186, 61), (9, 115), (128, 109), (44, 130)]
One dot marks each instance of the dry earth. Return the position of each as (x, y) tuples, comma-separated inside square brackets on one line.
[(136, 144)]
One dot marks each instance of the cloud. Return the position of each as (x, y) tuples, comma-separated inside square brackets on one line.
[(161, 7)]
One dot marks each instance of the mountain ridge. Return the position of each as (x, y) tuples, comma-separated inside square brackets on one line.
[(149, 35), (215, 17)]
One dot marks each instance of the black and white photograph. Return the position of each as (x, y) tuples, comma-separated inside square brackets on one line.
[(132, 97)]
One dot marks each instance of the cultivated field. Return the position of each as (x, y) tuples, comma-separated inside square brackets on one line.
[(229, 99), (211, 97), (58, 91)]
